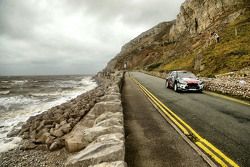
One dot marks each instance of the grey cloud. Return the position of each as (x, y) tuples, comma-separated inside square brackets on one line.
[(72, 36), (132, 12)]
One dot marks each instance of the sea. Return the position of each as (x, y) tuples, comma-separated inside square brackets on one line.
[(25, 96)]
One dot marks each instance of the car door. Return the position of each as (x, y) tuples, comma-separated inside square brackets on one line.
[(172, 79)]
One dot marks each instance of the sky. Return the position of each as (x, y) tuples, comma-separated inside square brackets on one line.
[(48, 37)]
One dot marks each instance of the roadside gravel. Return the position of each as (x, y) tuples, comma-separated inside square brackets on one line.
[(37, 158)]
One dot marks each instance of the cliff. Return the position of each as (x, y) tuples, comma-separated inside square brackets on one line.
[(187, 43)]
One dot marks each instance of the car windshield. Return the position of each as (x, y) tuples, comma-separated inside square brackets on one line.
[(186, 75)]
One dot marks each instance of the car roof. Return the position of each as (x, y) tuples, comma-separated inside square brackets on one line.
[(180, 71)]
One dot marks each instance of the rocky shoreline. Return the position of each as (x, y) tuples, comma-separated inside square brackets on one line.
[(84, 131)]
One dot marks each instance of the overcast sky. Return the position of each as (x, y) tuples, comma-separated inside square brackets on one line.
[(72, 36)]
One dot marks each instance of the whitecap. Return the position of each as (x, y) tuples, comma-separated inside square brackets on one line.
[(20, 82), (5, 92), (33, 106), (13, 143)]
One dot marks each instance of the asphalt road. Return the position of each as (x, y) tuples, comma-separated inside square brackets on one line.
[(224, 123), (150, 140)]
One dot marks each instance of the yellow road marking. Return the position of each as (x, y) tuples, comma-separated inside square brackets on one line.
[(177, 123), (227, 97), (174, 118), (217, 159)]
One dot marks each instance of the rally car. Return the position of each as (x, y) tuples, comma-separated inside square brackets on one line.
[(183, 81)]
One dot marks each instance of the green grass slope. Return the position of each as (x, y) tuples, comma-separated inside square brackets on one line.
[(231, 54)]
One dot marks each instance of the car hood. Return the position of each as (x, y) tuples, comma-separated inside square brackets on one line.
[(190, 80)]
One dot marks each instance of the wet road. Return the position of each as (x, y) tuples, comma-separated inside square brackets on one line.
[(224, 123)]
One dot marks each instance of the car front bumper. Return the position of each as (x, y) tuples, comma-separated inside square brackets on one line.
[(185, 87)]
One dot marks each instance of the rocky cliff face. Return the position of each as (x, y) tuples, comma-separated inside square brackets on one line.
[(186, 43), (152, 38), (197, 15)]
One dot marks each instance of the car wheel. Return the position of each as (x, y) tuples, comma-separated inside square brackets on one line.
[(175, 87), (166, 84)]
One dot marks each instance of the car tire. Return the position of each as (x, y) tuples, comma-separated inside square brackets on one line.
[(175, 87), (166, 84)]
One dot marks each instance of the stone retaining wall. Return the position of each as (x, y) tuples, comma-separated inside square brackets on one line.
[(90, 127), (99, 136)]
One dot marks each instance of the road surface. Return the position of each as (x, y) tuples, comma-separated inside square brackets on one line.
[(224, 123), (150, 141)]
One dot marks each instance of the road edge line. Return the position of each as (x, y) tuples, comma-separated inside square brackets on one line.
[(185, 138), (226, 97)]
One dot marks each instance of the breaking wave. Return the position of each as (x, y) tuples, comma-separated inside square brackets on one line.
[(30, 97)]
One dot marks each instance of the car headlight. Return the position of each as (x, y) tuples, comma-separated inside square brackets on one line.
[(201, 82)]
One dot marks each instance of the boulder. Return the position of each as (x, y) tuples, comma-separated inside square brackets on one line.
[(109, 106), (75, 143), (13, 133), (43, 137), (114, 88), (92, 133), (108, 115), (49, 140), (110, 137), (27, 145), (57, 144), (66, 128), (106, 149), (57, 133), (111, 164), (111, 97), (110, 122)]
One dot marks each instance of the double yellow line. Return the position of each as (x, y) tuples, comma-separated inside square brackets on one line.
[(202, 143)]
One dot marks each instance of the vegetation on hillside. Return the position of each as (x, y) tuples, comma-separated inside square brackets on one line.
[(231, 54)]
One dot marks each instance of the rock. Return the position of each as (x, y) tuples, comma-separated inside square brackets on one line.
[(111, 164), (111, 97), (110, 122), (75, 143), (43, 147), (48, 122), (25, 129), (43, 138), (49, 140), (27, 145), (92, 133), (111, 137), (109, 106), (63, 122), (57, 144), (114, 88), (41, 125), (25, 135), (57, 133), (204, 15), (33, 135), (13, 133), (107, 149), (66, 128), (108, 115)]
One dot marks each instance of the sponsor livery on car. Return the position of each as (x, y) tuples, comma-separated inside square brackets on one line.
[(183, 81)]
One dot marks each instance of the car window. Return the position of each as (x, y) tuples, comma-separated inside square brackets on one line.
[(186, 75), (174, 74)]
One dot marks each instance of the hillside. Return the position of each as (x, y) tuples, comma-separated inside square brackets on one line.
[(186, 43)]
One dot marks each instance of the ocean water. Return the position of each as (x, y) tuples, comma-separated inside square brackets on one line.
[(25, 96)]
